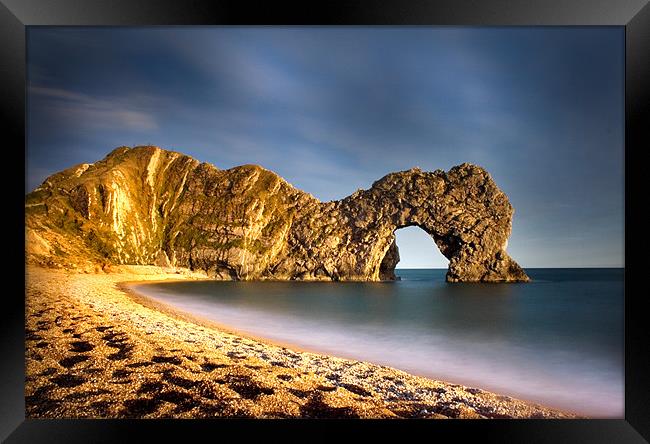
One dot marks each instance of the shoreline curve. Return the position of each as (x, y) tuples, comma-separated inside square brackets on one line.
[(107, 345)]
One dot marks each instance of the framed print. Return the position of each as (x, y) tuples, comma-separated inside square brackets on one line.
[(359, 215)]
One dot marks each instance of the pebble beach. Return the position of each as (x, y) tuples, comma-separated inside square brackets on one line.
[(96, 349)]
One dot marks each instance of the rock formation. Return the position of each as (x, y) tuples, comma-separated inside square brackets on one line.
[(146, 205)]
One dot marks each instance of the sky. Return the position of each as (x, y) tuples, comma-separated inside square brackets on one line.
[(333, 109)]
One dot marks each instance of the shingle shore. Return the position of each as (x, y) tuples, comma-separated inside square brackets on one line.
[(95, 351)]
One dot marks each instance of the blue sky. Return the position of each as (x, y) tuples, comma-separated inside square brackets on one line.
[(333, 109)]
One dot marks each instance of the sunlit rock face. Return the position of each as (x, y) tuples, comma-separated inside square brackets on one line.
[(146, 205)]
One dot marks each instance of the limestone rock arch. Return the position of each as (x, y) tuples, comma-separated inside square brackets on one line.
[(464, 212), (146, 205)]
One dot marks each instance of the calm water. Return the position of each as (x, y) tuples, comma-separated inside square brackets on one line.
[(557, 340)]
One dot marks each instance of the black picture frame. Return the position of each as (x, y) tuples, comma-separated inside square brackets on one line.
[(15, 15)]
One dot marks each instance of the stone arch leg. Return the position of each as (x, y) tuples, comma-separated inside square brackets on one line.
[(389, 262), (470, 263)]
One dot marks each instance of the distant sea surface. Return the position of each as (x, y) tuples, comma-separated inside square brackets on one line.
[(557, 340)]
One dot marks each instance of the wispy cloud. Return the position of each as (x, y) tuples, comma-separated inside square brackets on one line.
[(114, 113), (331, 110)]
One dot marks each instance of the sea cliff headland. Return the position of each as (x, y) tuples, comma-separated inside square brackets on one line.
[(96, 349), (149, 206)]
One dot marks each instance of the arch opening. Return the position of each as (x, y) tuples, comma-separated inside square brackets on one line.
[(415, 249)]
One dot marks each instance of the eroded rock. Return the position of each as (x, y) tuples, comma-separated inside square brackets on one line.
[(146, 205)]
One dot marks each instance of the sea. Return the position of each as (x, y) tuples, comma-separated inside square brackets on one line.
[(557, 341)]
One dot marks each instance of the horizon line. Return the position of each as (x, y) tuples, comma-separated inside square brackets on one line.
[(445, 268)]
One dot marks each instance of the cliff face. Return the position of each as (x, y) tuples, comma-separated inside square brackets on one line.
[(146, 205)]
